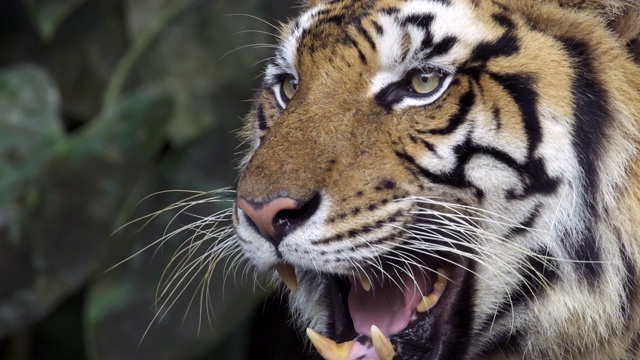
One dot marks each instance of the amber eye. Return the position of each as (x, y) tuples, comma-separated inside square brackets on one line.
[(425, 81), (288, 87)]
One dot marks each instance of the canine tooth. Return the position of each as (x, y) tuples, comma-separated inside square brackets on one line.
[(288, 275), (365, 282), (383, 346), (427, 302), (328, 348), (443, 275), (439, 287)]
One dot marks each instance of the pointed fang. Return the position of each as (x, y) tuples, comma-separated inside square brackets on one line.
[(365, 282), (328, 348), (427, 303), (383, 346), (288, 275), (443, 275)]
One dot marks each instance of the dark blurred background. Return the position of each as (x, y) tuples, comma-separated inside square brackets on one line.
[(103, 102)]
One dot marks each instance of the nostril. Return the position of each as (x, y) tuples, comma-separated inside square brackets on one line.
[(276, 218), (285, 221)]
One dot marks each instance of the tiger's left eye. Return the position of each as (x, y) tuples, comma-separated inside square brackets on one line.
[(425, 81), (288, 87)]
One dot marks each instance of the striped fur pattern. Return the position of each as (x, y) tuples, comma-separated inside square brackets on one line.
[(520, 173)]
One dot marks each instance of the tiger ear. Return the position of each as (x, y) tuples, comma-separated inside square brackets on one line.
[(621, 16)]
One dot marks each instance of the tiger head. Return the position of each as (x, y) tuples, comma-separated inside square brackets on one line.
[(451, 179)]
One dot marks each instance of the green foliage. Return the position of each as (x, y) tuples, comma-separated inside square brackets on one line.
[(29, 130), (104, 102), (48, 14)]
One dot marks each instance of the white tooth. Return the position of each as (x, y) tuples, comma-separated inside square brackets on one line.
[(328, 348), (443, 275), (365, 282), (438, 287), (383, 346), (288, 275), (427, 302), (431, 300)]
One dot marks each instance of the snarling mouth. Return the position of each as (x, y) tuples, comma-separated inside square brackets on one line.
[(375, 316)]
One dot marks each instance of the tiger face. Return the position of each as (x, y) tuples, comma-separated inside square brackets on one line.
[(451, 179)]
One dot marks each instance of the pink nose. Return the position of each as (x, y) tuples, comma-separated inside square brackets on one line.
[(278, 217), (263, 215)]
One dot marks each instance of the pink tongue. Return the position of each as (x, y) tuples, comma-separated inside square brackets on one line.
[(387, 306)]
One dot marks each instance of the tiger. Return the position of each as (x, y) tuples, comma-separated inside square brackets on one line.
[(451, 179)]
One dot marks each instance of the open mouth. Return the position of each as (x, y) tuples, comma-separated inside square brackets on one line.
[(376, 315)]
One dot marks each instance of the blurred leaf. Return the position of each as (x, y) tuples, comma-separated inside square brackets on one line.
[(83, 55), (29, 131), (142, 14), (49, 14), (102, 164), (74, 200), (189, 59), (138, 125)]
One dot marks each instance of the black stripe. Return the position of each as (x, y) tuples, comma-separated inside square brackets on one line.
[(425, 143), (521, 88), (378, 224), (504, 21), (506, 45), (377, 27), (323, 12), (587, 253), (262, 121), (592, 116), (365, 34), (442, 47), (455, 178), (495, 113), (425, 44), (355, 45), (333, 19), (390, 11), (633, 47), (591, 113), (421, 21), (538, 181), (361, 55), (466, 102), (393, 237), (533, 175), (528, 222), (500, 6)]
